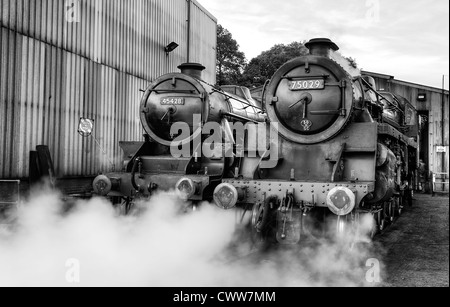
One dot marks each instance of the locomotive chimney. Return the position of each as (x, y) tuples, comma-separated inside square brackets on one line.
[(321, 47), (192, 69)]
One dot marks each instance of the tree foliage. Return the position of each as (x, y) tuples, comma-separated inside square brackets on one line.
[(233, 69), (264, 66), (352, 62), (230, 61)]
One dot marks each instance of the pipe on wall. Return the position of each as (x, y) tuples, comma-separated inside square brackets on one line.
[(188, 47), (444, 168)]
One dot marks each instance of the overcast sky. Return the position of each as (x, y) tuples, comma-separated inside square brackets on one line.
[(408, 39)]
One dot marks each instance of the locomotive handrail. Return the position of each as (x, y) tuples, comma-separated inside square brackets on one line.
[(380, 95), (174, 91), (237, 99), (329, 112), (360, 79), (305, 77)]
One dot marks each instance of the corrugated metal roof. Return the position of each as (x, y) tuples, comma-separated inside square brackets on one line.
[(406, 83)]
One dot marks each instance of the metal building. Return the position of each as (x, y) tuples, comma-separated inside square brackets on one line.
[(433, 104), (61, 60)]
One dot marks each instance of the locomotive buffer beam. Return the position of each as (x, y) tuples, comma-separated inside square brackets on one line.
[(257, 190)]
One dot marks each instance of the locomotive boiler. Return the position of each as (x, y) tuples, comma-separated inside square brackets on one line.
[(345, 150), (151, 166)]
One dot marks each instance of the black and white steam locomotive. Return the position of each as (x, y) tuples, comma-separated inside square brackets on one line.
[(343, 150), (150, 166)]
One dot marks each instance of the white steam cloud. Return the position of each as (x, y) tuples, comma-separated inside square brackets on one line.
[(90, 244)]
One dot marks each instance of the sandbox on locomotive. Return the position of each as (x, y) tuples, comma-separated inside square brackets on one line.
[(345, 151)]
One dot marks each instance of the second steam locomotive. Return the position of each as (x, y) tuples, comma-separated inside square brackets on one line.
[(345, 151)]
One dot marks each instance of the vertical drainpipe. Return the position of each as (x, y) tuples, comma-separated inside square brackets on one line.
[(188, 60), (444, 170)]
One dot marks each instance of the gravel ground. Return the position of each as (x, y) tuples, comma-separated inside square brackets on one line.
[(415, 249)]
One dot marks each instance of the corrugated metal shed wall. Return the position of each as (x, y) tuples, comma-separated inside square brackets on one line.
[(437, 118), (52, 72), (203, 41)]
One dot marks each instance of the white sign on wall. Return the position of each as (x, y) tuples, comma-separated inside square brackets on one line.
[(441, 149)]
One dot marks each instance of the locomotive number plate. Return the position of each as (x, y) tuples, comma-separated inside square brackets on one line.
[(307, 85), (172, 101)]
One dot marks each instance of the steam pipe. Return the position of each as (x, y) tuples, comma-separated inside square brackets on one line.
[(239, 117), (236, 98)]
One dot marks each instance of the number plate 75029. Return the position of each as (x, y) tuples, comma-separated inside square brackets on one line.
[(307, 85)]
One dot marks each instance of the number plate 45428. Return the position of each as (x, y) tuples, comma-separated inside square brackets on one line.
[(172, 101)]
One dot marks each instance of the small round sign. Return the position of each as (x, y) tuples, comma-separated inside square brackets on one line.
[(86, 127)]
